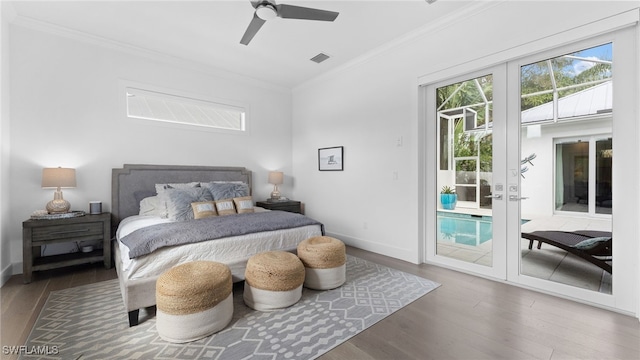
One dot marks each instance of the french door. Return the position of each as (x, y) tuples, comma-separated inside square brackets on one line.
[(528, 145), (561, 138), (471, 123)]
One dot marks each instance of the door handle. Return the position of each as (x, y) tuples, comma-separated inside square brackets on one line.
[(516, 198), (496, 196)]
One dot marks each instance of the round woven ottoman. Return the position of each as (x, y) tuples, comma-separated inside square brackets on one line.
[(273, 280), (324, 259), (193, 300)]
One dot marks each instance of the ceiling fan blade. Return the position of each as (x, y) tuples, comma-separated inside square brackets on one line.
[(299, 12), (255, 25)]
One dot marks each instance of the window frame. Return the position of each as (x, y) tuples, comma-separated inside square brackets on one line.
[(591, 139), (189, 98)]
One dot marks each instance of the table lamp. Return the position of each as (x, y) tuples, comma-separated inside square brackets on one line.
[(276, 178), (58, 178)]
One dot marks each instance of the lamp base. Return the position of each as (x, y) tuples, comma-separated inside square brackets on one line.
[(58, 205), (275, 195)]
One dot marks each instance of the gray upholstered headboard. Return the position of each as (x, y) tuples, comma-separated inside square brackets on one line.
[(132, 183)]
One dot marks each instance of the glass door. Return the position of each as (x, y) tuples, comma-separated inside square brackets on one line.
[(584, 175), (538, 159), (469, 231), (565, 134)]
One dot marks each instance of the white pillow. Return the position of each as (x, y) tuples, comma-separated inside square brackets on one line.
[(153, 206)]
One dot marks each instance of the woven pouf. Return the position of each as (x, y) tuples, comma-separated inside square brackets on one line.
[(324, 259), (193, 300), (273, 280)]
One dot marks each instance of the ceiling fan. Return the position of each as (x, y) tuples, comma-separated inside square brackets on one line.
[(267, 10)]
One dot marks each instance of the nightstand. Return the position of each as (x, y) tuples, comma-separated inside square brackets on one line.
[(284, 205), (37, 233)]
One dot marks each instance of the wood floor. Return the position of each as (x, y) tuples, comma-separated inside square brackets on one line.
[(465, 318)]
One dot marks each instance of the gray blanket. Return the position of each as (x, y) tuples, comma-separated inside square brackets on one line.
[(146, 240)]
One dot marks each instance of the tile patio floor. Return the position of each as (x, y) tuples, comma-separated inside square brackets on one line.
[(549, 262)]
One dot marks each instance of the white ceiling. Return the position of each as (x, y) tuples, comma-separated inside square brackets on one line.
[(209, 32)]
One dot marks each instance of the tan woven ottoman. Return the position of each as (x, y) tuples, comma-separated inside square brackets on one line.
[(273, 280), (193, 300), (324, 259)]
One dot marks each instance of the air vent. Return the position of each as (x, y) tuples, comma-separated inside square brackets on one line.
[(320, 58)]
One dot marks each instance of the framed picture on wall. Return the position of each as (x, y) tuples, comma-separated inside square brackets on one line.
[(331, 159)]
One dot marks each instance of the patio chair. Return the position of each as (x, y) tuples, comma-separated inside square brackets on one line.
[(593, 246)]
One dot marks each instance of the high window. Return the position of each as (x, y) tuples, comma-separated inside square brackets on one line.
[(158, 106)]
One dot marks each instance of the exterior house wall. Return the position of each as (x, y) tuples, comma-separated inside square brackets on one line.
[(539, 181)]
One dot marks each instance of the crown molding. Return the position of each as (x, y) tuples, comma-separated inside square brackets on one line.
[(472, 9), (61, 31)]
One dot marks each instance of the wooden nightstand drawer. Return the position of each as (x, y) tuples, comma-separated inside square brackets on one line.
[(284, 205), (75, 232)]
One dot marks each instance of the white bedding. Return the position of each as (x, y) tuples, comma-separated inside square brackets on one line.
[(228, 250)]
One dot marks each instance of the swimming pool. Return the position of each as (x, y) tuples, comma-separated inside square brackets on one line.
[(464, 229)]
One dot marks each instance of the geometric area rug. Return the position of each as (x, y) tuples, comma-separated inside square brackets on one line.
[(90, 322)]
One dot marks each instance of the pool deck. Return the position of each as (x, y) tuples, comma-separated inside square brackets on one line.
[(566, 223), (548, 262), (459, 210)]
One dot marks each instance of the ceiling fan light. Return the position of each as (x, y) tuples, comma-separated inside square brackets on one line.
[(266, 12)]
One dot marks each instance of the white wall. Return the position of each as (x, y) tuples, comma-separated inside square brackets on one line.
[(539, 182), (66, 110), (367, 106), (5, 254), (371, 116)]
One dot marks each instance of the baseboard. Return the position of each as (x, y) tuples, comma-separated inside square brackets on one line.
[(8, 272), (383, 249)]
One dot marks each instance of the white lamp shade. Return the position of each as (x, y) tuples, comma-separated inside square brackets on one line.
[(276, 177), (58, 177)]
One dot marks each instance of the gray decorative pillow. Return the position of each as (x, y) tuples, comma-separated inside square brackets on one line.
[(221, 191), (179, 201), (591, 243)]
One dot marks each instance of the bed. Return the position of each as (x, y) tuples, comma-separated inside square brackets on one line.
[(134, 186)]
